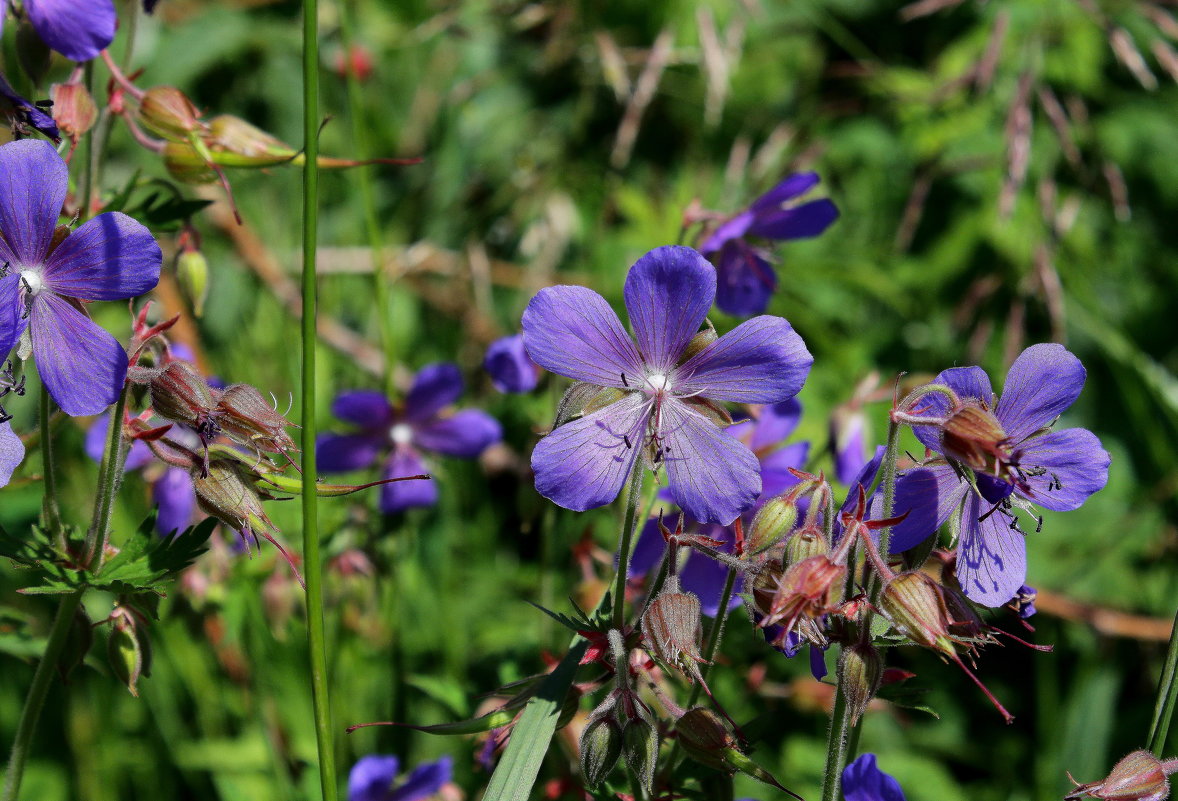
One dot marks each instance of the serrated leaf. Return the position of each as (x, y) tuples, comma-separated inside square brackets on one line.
[(154, 559)]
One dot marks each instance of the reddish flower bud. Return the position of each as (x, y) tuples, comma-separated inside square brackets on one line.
[(168, 112), (128, 650), (1140, 776), (671, 626), (180, 394), (973, 436), (73, 109), (246, 416), (807, 589)]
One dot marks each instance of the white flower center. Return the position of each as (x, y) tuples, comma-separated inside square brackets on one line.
[(401, 434), (658, 383), (33, 281)]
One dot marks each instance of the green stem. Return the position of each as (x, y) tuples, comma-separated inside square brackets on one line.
[(1167, 694), (49, 504), (888, 480), (37, 692), (313, 566), (633, 497), (836, 741), (110, 477)]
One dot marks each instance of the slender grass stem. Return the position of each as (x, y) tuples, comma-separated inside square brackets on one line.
[(633, 499), (1163, 709), (313, 566)]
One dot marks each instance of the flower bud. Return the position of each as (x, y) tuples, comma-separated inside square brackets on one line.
[(167, 112), (916, 607), (671, 626), (860, 674), (806, 589), (640, 745), (601, 745), (226, 495), (128, 650), (254, 146), (1140, 776), (806, 542), (180, 394), (705, 737), (185, 164), (245, 415), (973, 436), (192, 271), (772, 523), (73, 109)]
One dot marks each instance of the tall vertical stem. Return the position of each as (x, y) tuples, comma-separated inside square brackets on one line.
[(633, 498), (836, 741), (49, 507), (1167, 694), (313, 567), (110, 476)]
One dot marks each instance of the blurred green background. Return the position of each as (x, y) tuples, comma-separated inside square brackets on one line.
[(1007, 173)]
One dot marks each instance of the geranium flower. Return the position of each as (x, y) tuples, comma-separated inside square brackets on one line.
[(25, 113), (664, 395), (509, 366), (416, 425), (1002, 457), (12, 452), (374, 778), (863, 781), (77, 30), (48, 274), (746, 278)]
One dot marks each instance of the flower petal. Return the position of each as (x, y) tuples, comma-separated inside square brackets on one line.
[(111, 257), (1043, 381), (992, 557), (174, 495), (863, 781), (706, 577), (668, 293), (788, 188), (733, 228), (371, 778), (339, 453), (775, 475), (583, 464), (12, 452), (775, 423), (928, 495), (95, 446), (465, 434), (12, 322), (434, 388), (33, 183), (79, 31), (648, 552), (27, 112), (762, 360), (1076, 466), (713, 475), (849, 443), (745, 280), (424, 781), (509, 366), (82, 365), (970, 383), (573, 332), (402, 495), (799, 222), (363, 407)]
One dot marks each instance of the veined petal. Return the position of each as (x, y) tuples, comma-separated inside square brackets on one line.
[(82, 366), (12, 452), (668, 293), (1076, 466), (339, 453), (33, 184), (928, 495), (713, 476), (992, 557), (111, 257), (12, 323), (434, 388), (79, 31), (762, 360), (799, 222), (509, 366), (1043, 381), (401, 495), (465, 434), (775, 423), (176, 499), (371, 778), (424, 781), (787, 189), (775, 475), (573, 332), (863, 781), (583, 464), (970, 383), (363, 407), (745, 280), (29, 113), (733, 228)]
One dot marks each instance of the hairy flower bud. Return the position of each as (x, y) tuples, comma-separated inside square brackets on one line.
[(671, 626), (860, 674), (640, 746), (772, 523), (246, 416), (168, 112), (601, 745), (915, 605), (805, 542), (128, 650), (705, 737), (974, 436), (192, 271), (226, 494), (180, 394), (73, 109), (236, 136), (806, 589), (1140, 776)]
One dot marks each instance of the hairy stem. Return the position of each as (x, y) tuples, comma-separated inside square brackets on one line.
[(110, 478), (836, 741), (1163, 709), (633, 498), (49, 506)]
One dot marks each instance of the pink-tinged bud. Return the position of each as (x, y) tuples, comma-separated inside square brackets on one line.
[(73, 109), (180, 394), (601, 746), (807, 589), (772, 523), (128, 649), (228, 494), (247, 417), (705, 737), (671, 627), (355, 61), (973, 436), (1140, 776), (233, 135), (860, 674), (806, 542), (167, 112)]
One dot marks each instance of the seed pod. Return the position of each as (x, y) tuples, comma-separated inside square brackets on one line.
[(180, 394), (73, 109), (640, 745), (705, 737), (245, 415), (601, 745), (916, 607), (167, 112), (860, 674), (671, 626), (226, 494), (128, 650), (772, 523), (1140, 776)]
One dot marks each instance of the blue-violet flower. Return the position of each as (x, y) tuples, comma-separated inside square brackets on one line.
[(863, 781), (77, 30), (374, 778), (510, 367)]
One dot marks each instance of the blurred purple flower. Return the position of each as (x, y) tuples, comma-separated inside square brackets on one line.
[(848, 442), (373, 778), (863, 781), (12, 452), (26, 113), (662, 410), (111, 257), (415, 426), (1024, 601), (510, 367), (746, 279), (1057, 470), (78, 29)]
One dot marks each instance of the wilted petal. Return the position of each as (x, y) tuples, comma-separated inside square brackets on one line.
[(82, 366), (762, 360), (12, 452), (466, 434), (775, 423), (583, 464), (77, 30), (111, 257), (713, 476), (745, 280), (668, 293), (371, 778), (174, 495), (363, 407), (863, 781), (1043, 381), (425, 781), (969, 383), (787, 189), (1076, 466), (800, 222), (33, 183), (927, 495), (992, 556), (138, 456), (510, 367), (434, 388), (339, 453), (573, 332), (401, 495), (706, 577)]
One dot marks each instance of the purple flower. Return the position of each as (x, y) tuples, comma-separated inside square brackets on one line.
[(12, 452), (111, 257), (746, 278), (863, 781), (415, 426), (663, 404), (26, 113), (77, 30), (848, 441), (374, 778), (1017, 461), (510, 367)]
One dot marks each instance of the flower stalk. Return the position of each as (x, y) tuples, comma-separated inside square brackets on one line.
[(633, 501)]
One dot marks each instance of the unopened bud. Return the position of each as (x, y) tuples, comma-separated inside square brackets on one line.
[(640, 745), (128, 650), (185, 164), (705, 737), (671, 627), (806, 589), (601, 745), (180, 394), (772, 523), (916, 607), (73, 109), (806, 542), (168, 112), (234, 135), (226, 494), (860, 674), (246, 416), (973, 436), (192, 271), (1140, 776)]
